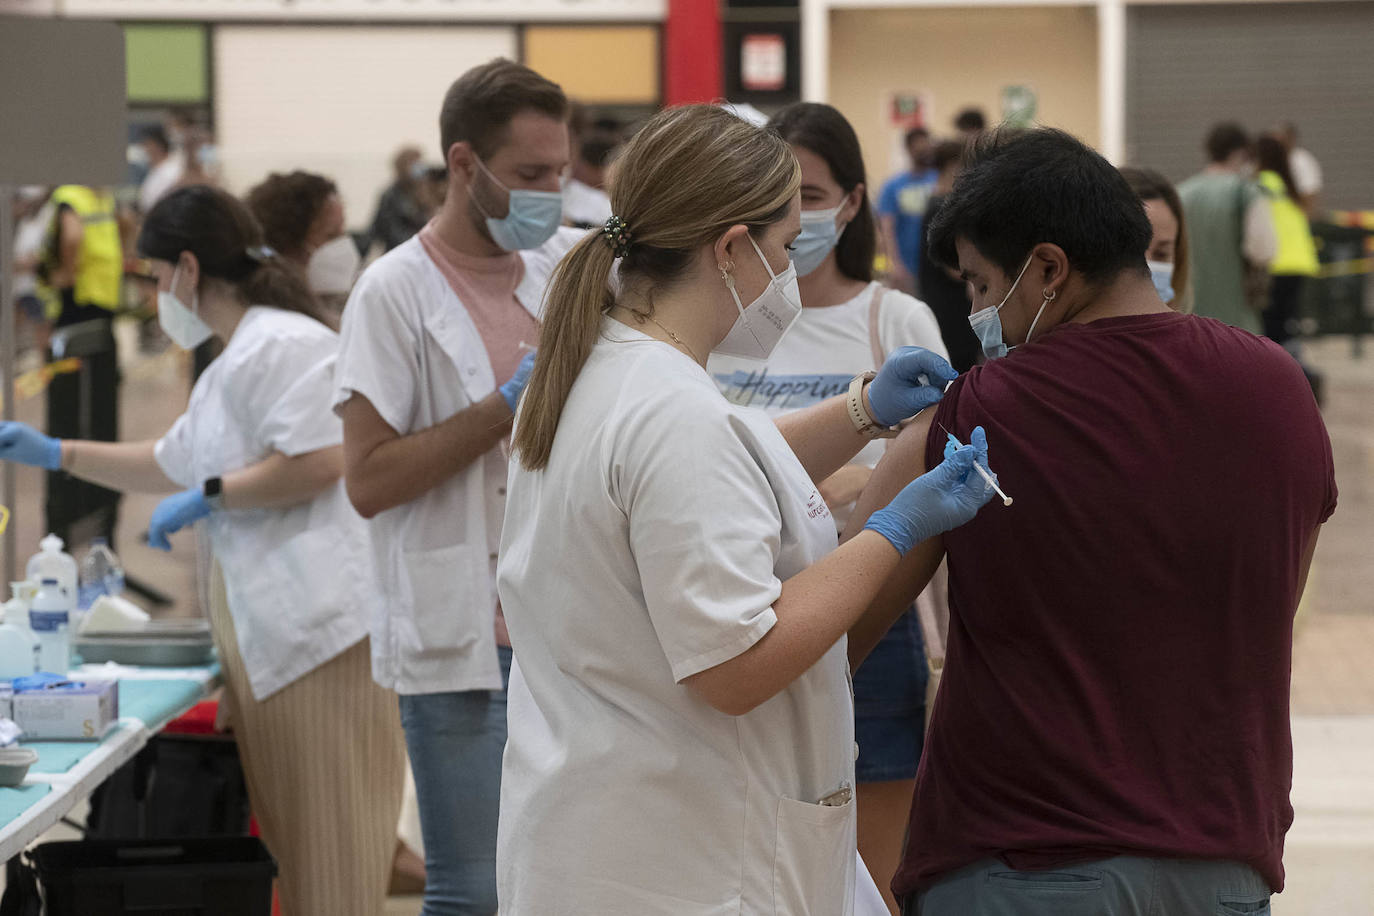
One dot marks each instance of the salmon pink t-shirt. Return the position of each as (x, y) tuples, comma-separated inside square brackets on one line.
[(1120, 640), (486, 287)]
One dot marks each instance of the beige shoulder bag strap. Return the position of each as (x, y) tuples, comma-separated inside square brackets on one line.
[(874, 308)]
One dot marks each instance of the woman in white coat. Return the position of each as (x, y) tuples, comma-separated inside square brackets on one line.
[(681, 735), (258, 456)]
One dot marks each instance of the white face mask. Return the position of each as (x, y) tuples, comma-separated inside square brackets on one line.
[(180, 323), (757, 330), (333, 267)]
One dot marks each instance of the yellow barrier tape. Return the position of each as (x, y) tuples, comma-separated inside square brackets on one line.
[(4, 519), (1347, 268), (35, 381)]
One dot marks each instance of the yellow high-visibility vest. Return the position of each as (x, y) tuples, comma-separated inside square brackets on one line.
[(100, 263)]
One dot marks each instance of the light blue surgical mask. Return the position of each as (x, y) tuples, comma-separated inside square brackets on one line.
[(532, 217), (819, 236), (987, 323), (1162, 274)]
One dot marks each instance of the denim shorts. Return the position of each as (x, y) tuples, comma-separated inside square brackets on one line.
[(890, 704)]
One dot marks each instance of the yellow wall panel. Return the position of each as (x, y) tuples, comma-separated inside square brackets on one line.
[(598, 64)]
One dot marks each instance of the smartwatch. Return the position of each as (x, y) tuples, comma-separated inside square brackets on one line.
[(213, 490)]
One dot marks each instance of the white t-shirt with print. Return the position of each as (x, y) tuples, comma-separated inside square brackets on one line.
[(822, 352)]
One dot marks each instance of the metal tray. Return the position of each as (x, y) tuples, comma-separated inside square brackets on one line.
[(160, 643)]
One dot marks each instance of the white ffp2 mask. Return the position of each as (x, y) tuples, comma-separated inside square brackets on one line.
[(759, 327), (181, 324), (333, 267)]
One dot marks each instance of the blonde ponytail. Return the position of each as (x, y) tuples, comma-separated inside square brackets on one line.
[(688, 176), (578, 296)]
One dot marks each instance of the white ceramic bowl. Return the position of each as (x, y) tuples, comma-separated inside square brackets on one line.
[(15, 763)]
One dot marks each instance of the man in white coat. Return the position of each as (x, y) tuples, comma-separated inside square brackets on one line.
[(437, 344)]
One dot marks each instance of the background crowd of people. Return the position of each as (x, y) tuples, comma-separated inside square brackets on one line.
[(355, 395)]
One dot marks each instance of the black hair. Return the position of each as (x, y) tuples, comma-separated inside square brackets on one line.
[(155, 134), (970, 119), (220, 231), (825, 132), (1272, 156), (1023, 188), (1224, 139)]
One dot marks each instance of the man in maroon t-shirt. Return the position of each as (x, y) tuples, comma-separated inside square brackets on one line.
[(1112, 731)]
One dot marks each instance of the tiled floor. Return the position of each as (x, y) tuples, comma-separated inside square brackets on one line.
[(1330, 850)]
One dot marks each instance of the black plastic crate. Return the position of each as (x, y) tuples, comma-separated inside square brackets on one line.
[(219, 876)]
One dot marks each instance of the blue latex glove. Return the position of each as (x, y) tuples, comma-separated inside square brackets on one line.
[(23, 444), (174, 513), (512, 390), (911, 379), (937, 501)]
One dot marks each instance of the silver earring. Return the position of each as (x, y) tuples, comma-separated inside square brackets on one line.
[(1050, 296)]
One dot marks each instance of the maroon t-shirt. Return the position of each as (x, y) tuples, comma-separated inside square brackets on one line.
[(1120, 638)]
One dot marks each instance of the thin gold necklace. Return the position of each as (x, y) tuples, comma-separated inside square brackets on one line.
[(665, 329)]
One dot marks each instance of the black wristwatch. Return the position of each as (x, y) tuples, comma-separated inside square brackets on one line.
[(213, 489)]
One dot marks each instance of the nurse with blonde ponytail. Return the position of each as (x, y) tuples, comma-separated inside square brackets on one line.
[(681, 736)]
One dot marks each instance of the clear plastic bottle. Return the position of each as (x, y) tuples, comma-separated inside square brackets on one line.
[(101, 574), (52, 562), (18, 643), (50, 618)]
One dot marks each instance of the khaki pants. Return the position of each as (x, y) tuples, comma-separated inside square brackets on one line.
[(324, 762)]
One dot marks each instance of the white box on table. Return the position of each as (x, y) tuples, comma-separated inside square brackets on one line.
[(71, 712)]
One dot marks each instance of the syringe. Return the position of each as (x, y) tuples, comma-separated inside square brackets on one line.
[(992, 481)]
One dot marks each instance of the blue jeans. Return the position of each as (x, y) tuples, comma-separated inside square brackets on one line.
[(455, 741), (1123, 886)]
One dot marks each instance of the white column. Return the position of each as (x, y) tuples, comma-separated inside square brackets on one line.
[(815, 50), (1111, 81)]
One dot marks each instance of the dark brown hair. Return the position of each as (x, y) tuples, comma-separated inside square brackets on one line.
[(480, 104), (1150, 185), (1272, 156), (220, 231), (825, 132), (1224, 139), (286, 206)]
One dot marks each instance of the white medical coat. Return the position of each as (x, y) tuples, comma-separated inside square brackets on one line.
[(410, 348), (652, 547), (299, 580)]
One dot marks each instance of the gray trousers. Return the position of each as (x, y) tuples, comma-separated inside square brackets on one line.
[(1122, 886)]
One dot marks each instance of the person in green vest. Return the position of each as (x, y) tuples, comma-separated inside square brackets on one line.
[(82, 270), (1230, 229)]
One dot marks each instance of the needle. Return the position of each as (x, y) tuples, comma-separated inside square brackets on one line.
[(992, 482)]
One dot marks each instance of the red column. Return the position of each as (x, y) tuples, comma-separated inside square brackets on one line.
[(691, 52)]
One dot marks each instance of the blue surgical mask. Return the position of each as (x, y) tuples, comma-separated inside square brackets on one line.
[(987, 323), (1162, 274), (532, 217), (819, 236)]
